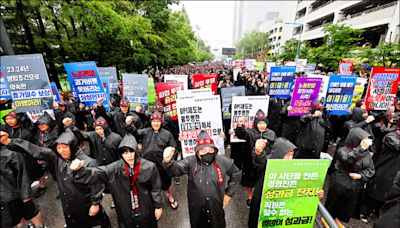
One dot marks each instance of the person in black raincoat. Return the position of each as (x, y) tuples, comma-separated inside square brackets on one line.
[(282, 149), (45, 136), (390, 211), (311, 138), (154, 140), (212, 180), (361, 119), (290, 124), (80, 202), (15, 194), (259, 131), (103, 142), (387, 164), (134, 183), (354, 168), (117, 118), (61, 113)]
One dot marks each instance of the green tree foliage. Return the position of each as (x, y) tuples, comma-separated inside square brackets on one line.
[(289, 50), (385, 55), (338, 41), (131, 35), (251, 42)]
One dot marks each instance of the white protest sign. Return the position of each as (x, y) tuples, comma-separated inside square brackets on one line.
[(196, 114), (177, 78), (194, 93), (324, 84), (247, 106)]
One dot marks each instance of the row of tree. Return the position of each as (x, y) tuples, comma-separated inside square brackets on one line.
[(340, 42), (132, 35)]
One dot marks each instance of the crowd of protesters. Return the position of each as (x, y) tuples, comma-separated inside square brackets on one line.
[(134, 155)]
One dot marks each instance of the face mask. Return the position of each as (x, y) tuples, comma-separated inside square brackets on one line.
[(207, 158)]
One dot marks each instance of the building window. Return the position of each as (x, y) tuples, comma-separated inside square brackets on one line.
[(279, 37), (280, 29)]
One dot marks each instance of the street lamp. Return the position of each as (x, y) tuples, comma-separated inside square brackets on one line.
[(298, 42)]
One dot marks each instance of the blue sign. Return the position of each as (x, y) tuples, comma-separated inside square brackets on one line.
[(136, 89), (85, 82), (281, 81), (54, 90), (105, 81), (111, 73), (27, 82), (4, 91), (339, 94)]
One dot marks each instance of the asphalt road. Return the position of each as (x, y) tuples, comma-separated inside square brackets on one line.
[(236, 214)]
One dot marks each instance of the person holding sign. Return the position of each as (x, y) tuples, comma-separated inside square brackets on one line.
[(134, 184), (251, 135), (311, 137), (354, 168), (212, 181)]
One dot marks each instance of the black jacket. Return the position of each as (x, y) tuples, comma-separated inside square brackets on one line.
[(386, 167), (14, 178), (205, 194), (311, 136), (76, 196), (148, 184)]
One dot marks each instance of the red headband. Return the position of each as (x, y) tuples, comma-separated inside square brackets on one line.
[(317, 106), (124, 103), (204, 141), (100, 122), (12, 114), (158, 106), (155, 116), (260, 115)]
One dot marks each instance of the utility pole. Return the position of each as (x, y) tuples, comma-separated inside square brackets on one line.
[(299, 41)]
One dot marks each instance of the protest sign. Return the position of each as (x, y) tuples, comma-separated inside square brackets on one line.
[(27, 82), (235, 73), (194, 93), (250, 64), (54, 91), (304, 94), (358, 90), (4, 91), (281, 81), (260, 66), (290, 63), (310, 68), (247, 106), (382, 88), (227, 94), (339, 94), (166, 94), (196, 114), (111, 74), (289, 196), (136, 89), (269, 65), (85, 81), (35, 115), (105, 81), (301, 65), (206, 81), (177, 78), (345, 67), (324, 85), (152, 92)]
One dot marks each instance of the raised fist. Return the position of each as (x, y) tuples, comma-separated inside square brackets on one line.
[(168, 153), (76, 164)]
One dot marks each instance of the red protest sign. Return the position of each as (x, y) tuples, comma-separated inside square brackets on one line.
[(166, 94), (206, 81), (382, 88), (345, 67)]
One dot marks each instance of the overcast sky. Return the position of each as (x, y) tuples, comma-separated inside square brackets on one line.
[(215, 18)]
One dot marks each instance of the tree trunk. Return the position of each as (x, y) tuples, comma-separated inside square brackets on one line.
[(22, 15)]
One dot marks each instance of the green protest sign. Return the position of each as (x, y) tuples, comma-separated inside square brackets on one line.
[(289, 196), (152, 92), (260, 66)]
